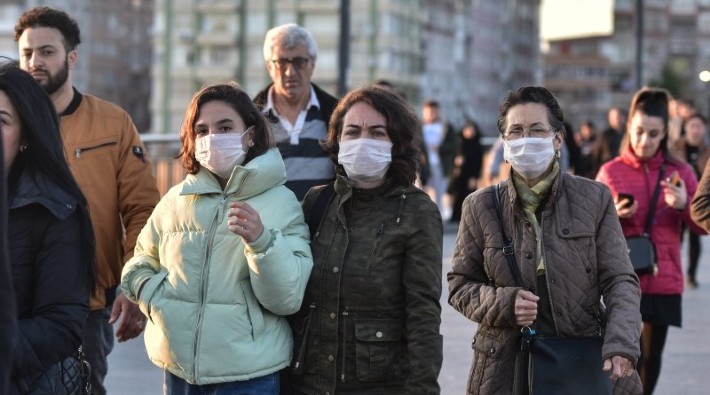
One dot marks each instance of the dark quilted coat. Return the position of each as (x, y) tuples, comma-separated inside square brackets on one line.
[(369, 323), (586, 258)]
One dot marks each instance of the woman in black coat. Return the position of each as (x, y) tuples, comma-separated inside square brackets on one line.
[(50, 237), (468, 167)]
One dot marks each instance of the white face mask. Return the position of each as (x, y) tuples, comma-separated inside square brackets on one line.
[(365, 160), (529, 156), (220, 153)]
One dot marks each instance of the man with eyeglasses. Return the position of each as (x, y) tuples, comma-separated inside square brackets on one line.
[(299, 109)]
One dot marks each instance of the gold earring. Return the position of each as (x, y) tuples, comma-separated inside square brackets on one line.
[(23, 147)]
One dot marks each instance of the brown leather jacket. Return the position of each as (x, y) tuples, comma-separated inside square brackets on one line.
[(109, 162), (586, 258)]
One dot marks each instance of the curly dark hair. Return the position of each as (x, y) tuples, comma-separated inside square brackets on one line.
[(50, 17), (232, 94), (532, 94), (403, 128)]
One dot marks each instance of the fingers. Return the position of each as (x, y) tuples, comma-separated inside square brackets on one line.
[(115, 310), (132, 319), (619, 367), (244, 221), (525, 308)]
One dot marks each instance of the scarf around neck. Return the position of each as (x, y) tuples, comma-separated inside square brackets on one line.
[(531, 198)]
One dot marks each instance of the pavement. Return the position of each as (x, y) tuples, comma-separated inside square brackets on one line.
[(685, 361)]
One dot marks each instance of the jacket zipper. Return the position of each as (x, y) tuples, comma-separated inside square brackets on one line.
[(78, 151), (378, 241), (342, 355), (302, 348), (203, 283)]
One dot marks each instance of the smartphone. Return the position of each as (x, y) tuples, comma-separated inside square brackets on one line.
[(627, 198), (674, 179)]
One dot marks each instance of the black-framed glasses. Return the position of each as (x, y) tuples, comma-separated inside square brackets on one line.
[(297, 62)]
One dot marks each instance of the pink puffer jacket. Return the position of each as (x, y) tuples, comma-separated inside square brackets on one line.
[(628, 174)]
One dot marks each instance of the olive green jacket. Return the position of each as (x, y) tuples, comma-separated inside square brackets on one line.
[(370, 319)]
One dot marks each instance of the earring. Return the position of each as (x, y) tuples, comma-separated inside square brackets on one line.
[(23, 147), (558, 154), (251, 144)]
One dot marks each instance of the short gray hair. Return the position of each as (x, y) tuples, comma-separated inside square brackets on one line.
[(289, 36)]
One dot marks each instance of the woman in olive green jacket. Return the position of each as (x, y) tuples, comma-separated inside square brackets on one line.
[(370, 319)]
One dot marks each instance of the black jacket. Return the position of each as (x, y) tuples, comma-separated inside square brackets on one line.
[(50, 279), (7, 306)]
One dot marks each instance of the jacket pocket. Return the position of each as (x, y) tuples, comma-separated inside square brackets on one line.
[(93, 148), (378, 349), (486, 350)]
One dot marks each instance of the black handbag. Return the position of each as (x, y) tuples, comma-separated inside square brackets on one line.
[(642, 251), (70, 376), (553, 365)]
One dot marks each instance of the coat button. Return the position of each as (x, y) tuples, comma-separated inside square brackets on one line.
[(552, 281), (529, 255), (492, 351), (331, 358), (332, 316), (378, 335), (335, 269), (565, 231), (588, 269)]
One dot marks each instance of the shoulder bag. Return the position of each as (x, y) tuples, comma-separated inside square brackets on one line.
[(642, 251), (71, 376), (553, 365)]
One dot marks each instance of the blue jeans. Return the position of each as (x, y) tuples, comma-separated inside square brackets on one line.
[(98, 343), (265, 385)]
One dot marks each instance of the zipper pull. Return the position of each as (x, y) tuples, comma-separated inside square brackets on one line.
[(342, 357)]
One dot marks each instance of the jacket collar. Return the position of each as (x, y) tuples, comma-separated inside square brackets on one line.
[(260, 174), (628, 157), (36, 188)]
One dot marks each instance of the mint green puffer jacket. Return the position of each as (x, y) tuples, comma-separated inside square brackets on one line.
[(215, 306)]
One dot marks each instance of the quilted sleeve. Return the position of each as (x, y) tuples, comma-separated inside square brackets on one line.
[(469, 289), (618, 284), (700, 207)]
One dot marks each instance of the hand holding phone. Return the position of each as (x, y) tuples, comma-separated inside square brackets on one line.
[(627, 198), (674, 179)]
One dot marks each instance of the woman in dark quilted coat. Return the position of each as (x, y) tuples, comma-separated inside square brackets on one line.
[(644, 155), (569, 250), (51, 243), (370, 317)]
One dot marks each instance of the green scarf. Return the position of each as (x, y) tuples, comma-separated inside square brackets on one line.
[(531, 198)]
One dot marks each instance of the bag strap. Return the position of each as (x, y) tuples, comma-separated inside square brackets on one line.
[(316, 214), (507, 243), (654, 201)]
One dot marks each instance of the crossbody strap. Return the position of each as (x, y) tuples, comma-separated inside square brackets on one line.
[(507, 243), (316, 212), (654, 201)]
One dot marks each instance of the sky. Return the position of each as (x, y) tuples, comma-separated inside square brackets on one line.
[(575, 18)]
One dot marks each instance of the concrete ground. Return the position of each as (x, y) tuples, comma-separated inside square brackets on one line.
[(685, 362)]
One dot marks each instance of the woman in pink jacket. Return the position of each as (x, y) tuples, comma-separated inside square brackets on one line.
[(644, 154)]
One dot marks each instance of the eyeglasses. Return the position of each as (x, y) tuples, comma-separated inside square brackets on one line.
[(298, 62), (537, 131)]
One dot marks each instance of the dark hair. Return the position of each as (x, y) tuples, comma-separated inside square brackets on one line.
[(695, 115), (50, 17), (234, 96), (431, 103), (532, 94), (45, 152), (402, 128), (654, 103)]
